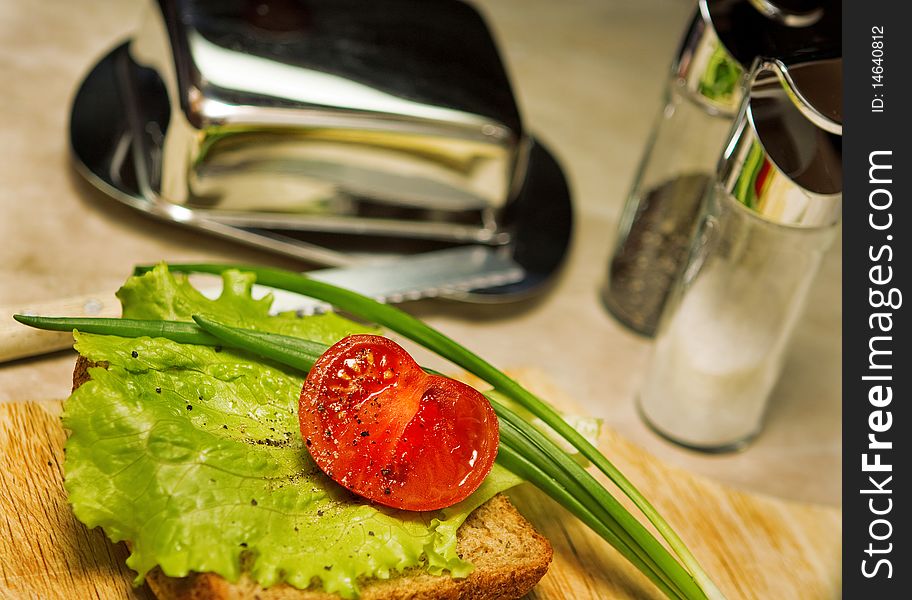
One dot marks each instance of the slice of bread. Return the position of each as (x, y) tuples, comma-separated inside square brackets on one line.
[(510, 557)]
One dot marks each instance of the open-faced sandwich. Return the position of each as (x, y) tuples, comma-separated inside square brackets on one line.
[(194, 456), (247, 455)]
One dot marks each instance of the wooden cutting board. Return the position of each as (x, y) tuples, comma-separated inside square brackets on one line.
[(753, 546)]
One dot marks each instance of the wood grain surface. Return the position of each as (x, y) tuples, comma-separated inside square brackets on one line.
[(46, 552), (754, 546)]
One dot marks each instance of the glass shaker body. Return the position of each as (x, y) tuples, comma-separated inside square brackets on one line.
[(662, 209), (721, 342)]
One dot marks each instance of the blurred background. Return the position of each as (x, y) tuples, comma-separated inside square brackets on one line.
[(588, 75)]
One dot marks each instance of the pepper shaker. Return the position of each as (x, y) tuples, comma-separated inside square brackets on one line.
[(701, 100), (768, 219)]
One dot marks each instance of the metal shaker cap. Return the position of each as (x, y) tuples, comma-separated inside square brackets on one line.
[(783, 160), (793, 13), (727, 36)]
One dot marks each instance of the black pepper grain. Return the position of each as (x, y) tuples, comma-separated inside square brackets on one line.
[(652, 255), (134, 354)]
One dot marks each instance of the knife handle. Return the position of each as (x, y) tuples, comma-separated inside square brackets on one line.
[(19, 341)]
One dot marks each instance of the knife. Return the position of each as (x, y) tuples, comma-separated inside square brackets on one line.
[(412, 277)]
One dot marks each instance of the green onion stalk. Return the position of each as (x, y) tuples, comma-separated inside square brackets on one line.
[(523, 449)]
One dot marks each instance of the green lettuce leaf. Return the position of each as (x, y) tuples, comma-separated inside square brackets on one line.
[(193, 454)]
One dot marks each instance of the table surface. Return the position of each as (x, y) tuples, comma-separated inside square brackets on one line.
[(588, 74)]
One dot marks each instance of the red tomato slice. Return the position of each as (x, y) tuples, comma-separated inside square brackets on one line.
[(380, 426)]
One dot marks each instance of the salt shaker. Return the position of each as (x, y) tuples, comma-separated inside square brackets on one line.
[(772, 212), (701, 100)]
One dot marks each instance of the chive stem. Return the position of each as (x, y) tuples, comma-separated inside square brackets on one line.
[(586, 498), (582, 485), (407, 325), (515, 461), (178, 331), (652, 559), (552, 471)]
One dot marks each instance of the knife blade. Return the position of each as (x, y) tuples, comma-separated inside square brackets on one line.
[(393, 280)]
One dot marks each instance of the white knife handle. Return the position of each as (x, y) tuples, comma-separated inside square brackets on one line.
[(19, 341)]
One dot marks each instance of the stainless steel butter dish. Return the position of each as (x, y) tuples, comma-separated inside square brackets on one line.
[(285, 123), (388, 117)]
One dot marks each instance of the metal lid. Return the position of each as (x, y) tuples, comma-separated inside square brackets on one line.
[(706, 70), (727, 36), (784, 156), (794, 13), (388, 118), (787, 30)]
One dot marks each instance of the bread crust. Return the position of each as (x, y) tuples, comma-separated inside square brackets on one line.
[(509, 556)]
